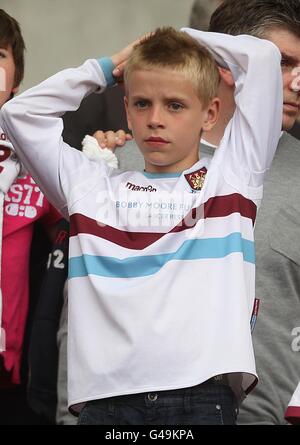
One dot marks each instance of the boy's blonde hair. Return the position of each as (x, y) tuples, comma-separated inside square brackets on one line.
[(176, 50)]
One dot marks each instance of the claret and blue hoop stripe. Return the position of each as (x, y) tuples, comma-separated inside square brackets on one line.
[(134, 267), (220, 206)]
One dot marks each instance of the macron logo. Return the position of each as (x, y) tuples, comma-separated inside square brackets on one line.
[(137, 188)]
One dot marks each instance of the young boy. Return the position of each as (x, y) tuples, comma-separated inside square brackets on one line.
[(21, 204), (161, 270)]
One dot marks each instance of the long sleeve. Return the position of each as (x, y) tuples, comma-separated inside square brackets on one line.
[(34, 125), (252, 135)]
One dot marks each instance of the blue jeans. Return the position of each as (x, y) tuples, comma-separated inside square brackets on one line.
[(205, 404)]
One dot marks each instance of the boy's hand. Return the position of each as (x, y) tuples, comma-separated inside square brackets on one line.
[(120, 59), (112, 140), (226, 76)]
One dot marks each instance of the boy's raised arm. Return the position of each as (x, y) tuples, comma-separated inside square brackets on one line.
[(251, 138), (33, 123)]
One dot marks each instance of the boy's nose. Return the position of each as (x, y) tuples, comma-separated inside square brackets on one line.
[(155, 118)]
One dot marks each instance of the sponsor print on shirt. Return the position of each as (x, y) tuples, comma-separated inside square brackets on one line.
[(24, 199)]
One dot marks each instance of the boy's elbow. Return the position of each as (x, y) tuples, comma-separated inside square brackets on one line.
[(267, 52), (260, 50), (5, 113), (9, 111), (6, 110)]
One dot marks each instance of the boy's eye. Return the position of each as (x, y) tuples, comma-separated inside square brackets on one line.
[(175, 106), (141, 104)]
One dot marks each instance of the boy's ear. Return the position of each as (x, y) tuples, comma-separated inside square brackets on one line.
[(127, 113), (211, 114)]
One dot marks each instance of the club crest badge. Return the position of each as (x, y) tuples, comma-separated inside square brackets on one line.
[(196, 179)]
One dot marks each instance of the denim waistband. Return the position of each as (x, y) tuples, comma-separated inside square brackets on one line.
[(213, 386)]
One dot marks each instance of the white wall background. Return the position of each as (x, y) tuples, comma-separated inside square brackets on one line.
[(63, 33)]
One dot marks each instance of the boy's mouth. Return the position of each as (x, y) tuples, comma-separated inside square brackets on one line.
[(156, 140)]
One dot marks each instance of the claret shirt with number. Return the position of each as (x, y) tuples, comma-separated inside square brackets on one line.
[(161, 267)]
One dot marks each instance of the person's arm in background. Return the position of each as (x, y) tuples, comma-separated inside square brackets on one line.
[(104, 112)]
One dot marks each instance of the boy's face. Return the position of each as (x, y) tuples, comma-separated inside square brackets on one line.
[(7, 74), (166, 118)]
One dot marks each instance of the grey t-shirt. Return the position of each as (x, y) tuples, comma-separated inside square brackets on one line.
[(277, 333)]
